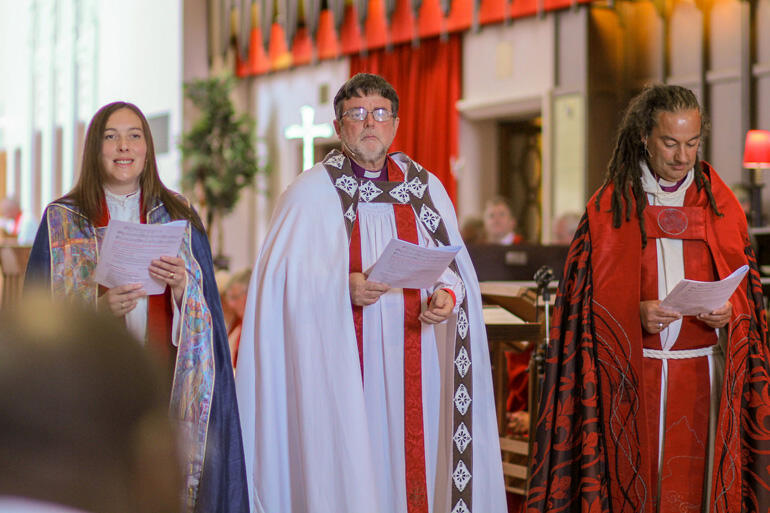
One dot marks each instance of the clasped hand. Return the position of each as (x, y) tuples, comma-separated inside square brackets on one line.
[(364, 292), (655, 318)]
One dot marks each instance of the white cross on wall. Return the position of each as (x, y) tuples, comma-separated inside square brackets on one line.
[(307, 131)]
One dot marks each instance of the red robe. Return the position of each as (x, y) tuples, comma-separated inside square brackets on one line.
[(596, 443), (517, 365)]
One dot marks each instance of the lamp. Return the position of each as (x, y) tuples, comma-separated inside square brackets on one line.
[(756, 156)]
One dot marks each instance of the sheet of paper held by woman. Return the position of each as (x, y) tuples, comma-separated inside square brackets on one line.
[(128, 249)]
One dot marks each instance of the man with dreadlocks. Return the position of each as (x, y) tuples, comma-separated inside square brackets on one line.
[(644, 410)]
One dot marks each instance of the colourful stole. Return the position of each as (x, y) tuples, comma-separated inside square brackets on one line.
[(73, 246), (414, 437)]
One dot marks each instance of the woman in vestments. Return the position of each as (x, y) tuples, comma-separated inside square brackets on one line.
[(184, 325)]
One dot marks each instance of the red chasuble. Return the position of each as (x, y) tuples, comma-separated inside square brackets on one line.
[(596, 441), (687, 395)]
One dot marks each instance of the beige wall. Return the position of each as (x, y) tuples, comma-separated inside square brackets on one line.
[(515, 82), (540, 66)]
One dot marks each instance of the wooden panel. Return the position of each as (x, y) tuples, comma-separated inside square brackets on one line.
[(58, 162), (725, 37), (13, 264), (513, 470), (37, 172), (727, 136), (686, 42), (762, 24), (762, 66), (3, 173), (514, 445), (515, 454)]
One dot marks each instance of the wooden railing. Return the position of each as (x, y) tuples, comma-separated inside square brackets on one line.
[(13, 264)]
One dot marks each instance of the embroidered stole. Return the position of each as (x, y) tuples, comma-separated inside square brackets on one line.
[(411, 202)]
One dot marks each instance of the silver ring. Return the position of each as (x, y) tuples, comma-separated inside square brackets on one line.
[(660, 325)]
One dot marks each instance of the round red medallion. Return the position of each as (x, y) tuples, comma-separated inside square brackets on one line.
[(672, 221)]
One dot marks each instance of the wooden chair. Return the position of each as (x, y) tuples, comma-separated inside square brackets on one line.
[(515, 453), (13, 265)]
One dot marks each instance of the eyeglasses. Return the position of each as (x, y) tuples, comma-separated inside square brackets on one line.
[(380, 114)]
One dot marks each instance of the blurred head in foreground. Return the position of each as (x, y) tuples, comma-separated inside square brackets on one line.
[(83, 413)]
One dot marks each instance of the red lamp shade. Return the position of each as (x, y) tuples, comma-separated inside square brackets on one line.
[(756, 154)]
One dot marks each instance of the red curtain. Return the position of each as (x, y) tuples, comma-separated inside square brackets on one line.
[(427, 79)]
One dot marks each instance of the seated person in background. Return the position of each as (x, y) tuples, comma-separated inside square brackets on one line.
[(499, 223), (500, 226), (86, 427), (222, 278), (517, 404), (235, 295), (564, 228), (472, 231), (743, 195), (14, 224)]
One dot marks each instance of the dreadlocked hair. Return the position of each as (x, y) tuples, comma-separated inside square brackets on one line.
[(624, 171)]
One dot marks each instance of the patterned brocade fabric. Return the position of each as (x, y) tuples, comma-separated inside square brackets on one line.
[(590, 452)]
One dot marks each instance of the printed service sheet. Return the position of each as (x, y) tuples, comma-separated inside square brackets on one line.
[(409, 266), (691, 297), (128, 249)]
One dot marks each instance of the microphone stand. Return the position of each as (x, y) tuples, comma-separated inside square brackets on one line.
[(543, 277)]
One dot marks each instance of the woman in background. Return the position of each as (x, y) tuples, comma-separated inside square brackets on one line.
[(235, 295)]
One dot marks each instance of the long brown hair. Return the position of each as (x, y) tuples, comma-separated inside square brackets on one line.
[(88, 193), (624, 172)]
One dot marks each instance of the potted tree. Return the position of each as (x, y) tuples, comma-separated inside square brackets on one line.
[(218, 155)]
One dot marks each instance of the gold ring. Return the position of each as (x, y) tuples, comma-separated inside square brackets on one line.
[(171, 275), (660, 325)]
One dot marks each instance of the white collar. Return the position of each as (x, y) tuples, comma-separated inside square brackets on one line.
[(122, 198), (124, 207), (659, 196)]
